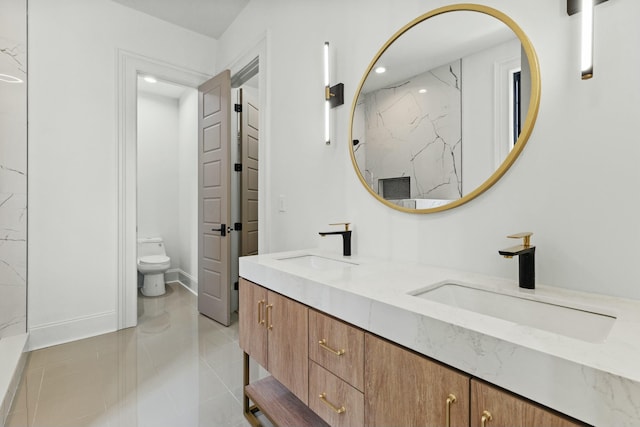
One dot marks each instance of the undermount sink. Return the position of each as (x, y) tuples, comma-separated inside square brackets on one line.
[(579, 323), (317, 262)]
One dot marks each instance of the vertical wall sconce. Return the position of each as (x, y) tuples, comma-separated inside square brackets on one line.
[(586, 61), (586, 56), (333, 96)]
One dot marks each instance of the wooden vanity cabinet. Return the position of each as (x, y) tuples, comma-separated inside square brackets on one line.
[(493, 407), (358, 379), (274, 332), (403, 388)]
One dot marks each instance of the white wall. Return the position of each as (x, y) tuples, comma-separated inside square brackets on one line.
[(73, 155), (188, 184), (158, 171), (168, 176), (574, 186)]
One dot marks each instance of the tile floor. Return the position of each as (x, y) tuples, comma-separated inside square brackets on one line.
[(176, 368)]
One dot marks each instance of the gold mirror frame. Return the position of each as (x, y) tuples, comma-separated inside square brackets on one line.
[(527, 127)]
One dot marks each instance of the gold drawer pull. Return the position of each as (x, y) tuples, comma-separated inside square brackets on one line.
[(450, 399), (323, 344), (486, 416), (260, 319), (269, 308), (340, 410)]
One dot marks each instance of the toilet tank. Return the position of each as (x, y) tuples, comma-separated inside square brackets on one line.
[(150, 246)]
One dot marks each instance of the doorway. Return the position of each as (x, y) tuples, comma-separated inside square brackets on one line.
[(244, 206), (130, 66), (167, 178)]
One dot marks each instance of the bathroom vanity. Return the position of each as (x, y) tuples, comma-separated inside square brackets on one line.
[(356, 341)]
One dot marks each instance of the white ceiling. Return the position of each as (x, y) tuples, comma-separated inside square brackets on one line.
[(208, 17), (162, 88)]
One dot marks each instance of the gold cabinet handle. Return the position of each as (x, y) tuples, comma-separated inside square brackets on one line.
[(260, 319), (323, 344), (486, 416), (269, 308), (340, 410), (450, 399)]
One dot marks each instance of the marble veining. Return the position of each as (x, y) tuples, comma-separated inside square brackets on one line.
[(4, 168), (14, 53), (413, 128), (13, 168), (600, 381)]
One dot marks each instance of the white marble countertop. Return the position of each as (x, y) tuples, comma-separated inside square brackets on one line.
[(595, 382)]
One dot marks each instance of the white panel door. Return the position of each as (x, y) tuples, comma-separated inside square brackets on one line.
[(250, 127), (214, 198)]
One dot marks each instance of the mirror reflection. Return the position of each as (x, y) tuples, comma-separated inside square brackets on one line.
[(441, 108)]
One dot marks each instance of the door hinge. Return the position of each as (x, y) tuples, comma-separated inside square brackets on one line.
[(237, 167), (237, 226), (235, 286), (237, 108)]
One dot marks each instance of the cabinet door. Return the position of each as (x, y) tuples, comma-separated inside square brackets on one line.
[(333, 399), (507, 410), (338, 347), (288, 326), (252, 322), (403, 388)]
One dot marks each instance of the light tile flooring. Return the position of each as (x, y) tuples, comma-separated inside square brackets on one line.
[(176, 368)]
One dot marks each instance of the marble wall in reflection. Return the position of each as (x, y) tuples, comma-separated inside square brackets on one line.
[(413, 129), (13, 167)]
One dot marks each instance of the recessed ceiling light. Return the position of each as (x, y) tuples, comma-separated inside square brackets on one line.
[(380, 69), (422, 91), (150, 79), (10, 79)]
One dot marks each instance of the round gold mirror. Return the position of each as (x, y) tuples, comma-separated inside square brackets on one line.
[(444, 109)]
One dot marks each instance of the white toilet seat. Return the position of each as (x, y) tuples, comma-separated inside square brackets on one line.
[(153, 260)]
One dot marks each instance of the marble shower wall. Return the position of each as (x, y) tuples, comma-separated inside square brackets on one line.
[(13, 167), (407, 133)]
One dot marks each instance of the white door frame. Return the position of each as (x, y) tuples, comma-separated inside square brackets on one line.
[(129, 66), (260, 50)]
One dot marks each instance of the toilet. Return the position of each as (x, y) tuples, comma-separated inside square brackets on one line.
[(152, 264)]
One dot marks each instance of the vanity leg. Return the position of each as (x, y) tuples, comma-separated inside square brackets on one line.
[(249, 411)]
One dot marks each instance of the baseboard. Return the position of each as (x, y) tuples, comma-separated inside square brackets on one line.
[(188, 281), (71, 330), (171, 275), (12, 361), (186, 287)]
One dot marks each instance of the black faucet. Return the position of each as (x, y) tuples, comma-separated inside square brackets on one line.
[(346, 237), (526, 259)]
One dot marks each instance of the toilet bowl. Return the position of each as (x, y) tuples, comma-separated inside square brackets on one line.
[(153, 262)]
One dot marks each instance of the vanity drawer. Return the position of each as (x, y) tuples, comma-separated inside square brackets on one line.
[(335, 401), (338, 347)]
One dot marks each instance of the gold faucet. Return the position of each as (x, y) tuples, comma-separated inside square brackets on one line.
[(346, 237), (526, 244), (526, 259)]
